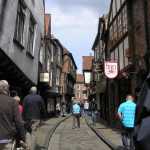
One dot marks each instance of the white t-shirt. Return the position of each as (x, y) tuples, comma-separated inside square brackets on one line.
[(86, 105)]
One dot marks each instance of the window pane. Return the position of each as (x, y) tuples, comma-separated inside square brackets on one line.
[(20, 21), (124, 19), (31, 36), (116, 54), (113, 55), (118, 4), (114, 8)]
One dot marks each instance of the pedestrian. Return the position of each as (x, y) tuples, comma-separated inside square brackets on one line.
[(11, 123), (17, 98), (14, 94), (126, 113), (63, 108), (93, 109), (86, 108), (33, 109), (82, 108), (142, 129), (58, 109), (76, 112)]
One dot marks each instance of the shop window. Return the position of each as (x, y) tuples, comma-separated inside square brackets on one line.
[(20, 23), (31, 36)]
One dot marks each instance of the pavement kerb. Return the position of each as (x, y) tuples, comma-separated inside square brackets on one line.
[(102, 137), (50, 132)]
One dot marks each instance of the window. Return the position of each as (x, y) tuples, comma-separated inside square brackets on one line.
[(52, 52), (31, 36), (114, 8), (118, 4), (20, 22), (58, 77), (116, 54), (124, 17), (42, 55), (120, 25), (59, 55), (48, 64), (113, 55), (126, 51), (122, 1), (121, 56), (51, 77)]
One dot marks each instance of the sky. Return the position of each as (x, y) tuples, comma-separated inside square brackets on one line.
[(75, 23)]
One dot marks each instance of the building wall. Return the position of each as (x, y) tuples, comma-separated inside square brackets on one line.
[(8, 12), (80, 89)]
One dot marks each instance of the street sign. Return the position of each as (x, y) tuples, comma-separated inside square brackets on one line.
[(111, 69)]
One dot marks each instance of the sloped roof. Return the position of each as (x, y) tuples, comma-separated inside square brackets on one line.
[(87, 63), (67, 52)]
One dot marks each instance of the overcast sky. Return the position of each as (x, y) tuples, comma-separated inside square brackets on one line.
[(75, 23)]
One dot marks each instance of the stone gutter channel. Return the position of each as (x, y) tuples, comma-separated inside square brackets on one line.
[(46, 131), (101, 136)]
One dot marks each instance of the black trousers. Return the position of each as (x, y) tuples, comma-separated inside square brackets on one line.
[(76, 120), (127, 138)]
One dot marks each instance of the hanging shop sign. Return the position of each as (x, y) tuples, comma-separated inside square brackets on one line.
[(111, 69)]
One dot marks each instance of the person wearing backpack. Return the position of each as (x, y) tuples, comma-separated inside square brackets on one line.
[(76, 112)]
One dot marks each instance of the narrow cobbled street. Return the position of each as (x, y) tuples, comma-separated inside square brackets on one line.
[(66, 138)]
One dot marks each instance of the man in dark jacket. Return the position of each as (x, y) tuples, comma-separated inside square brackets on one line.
[(93, 109), (11, 123), (33, 109)]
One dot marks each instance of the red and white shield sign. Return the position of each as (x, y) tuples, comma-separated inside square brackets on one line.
[(111, 69)]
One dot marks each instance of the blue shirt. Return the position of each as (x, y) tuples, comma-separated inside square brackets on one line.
[(76, 109), (127, 109)]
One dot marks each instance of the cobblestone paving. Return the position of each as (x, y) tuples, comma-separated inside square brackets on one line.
[(66, 138)]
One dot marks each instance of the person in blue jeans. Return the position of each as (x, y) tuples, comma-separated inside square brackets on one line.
[(126, 113), (76, 112), (93, 109)]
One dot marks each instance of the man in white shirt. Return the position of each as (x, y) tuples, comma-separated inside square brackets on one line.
[(86, 107)]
